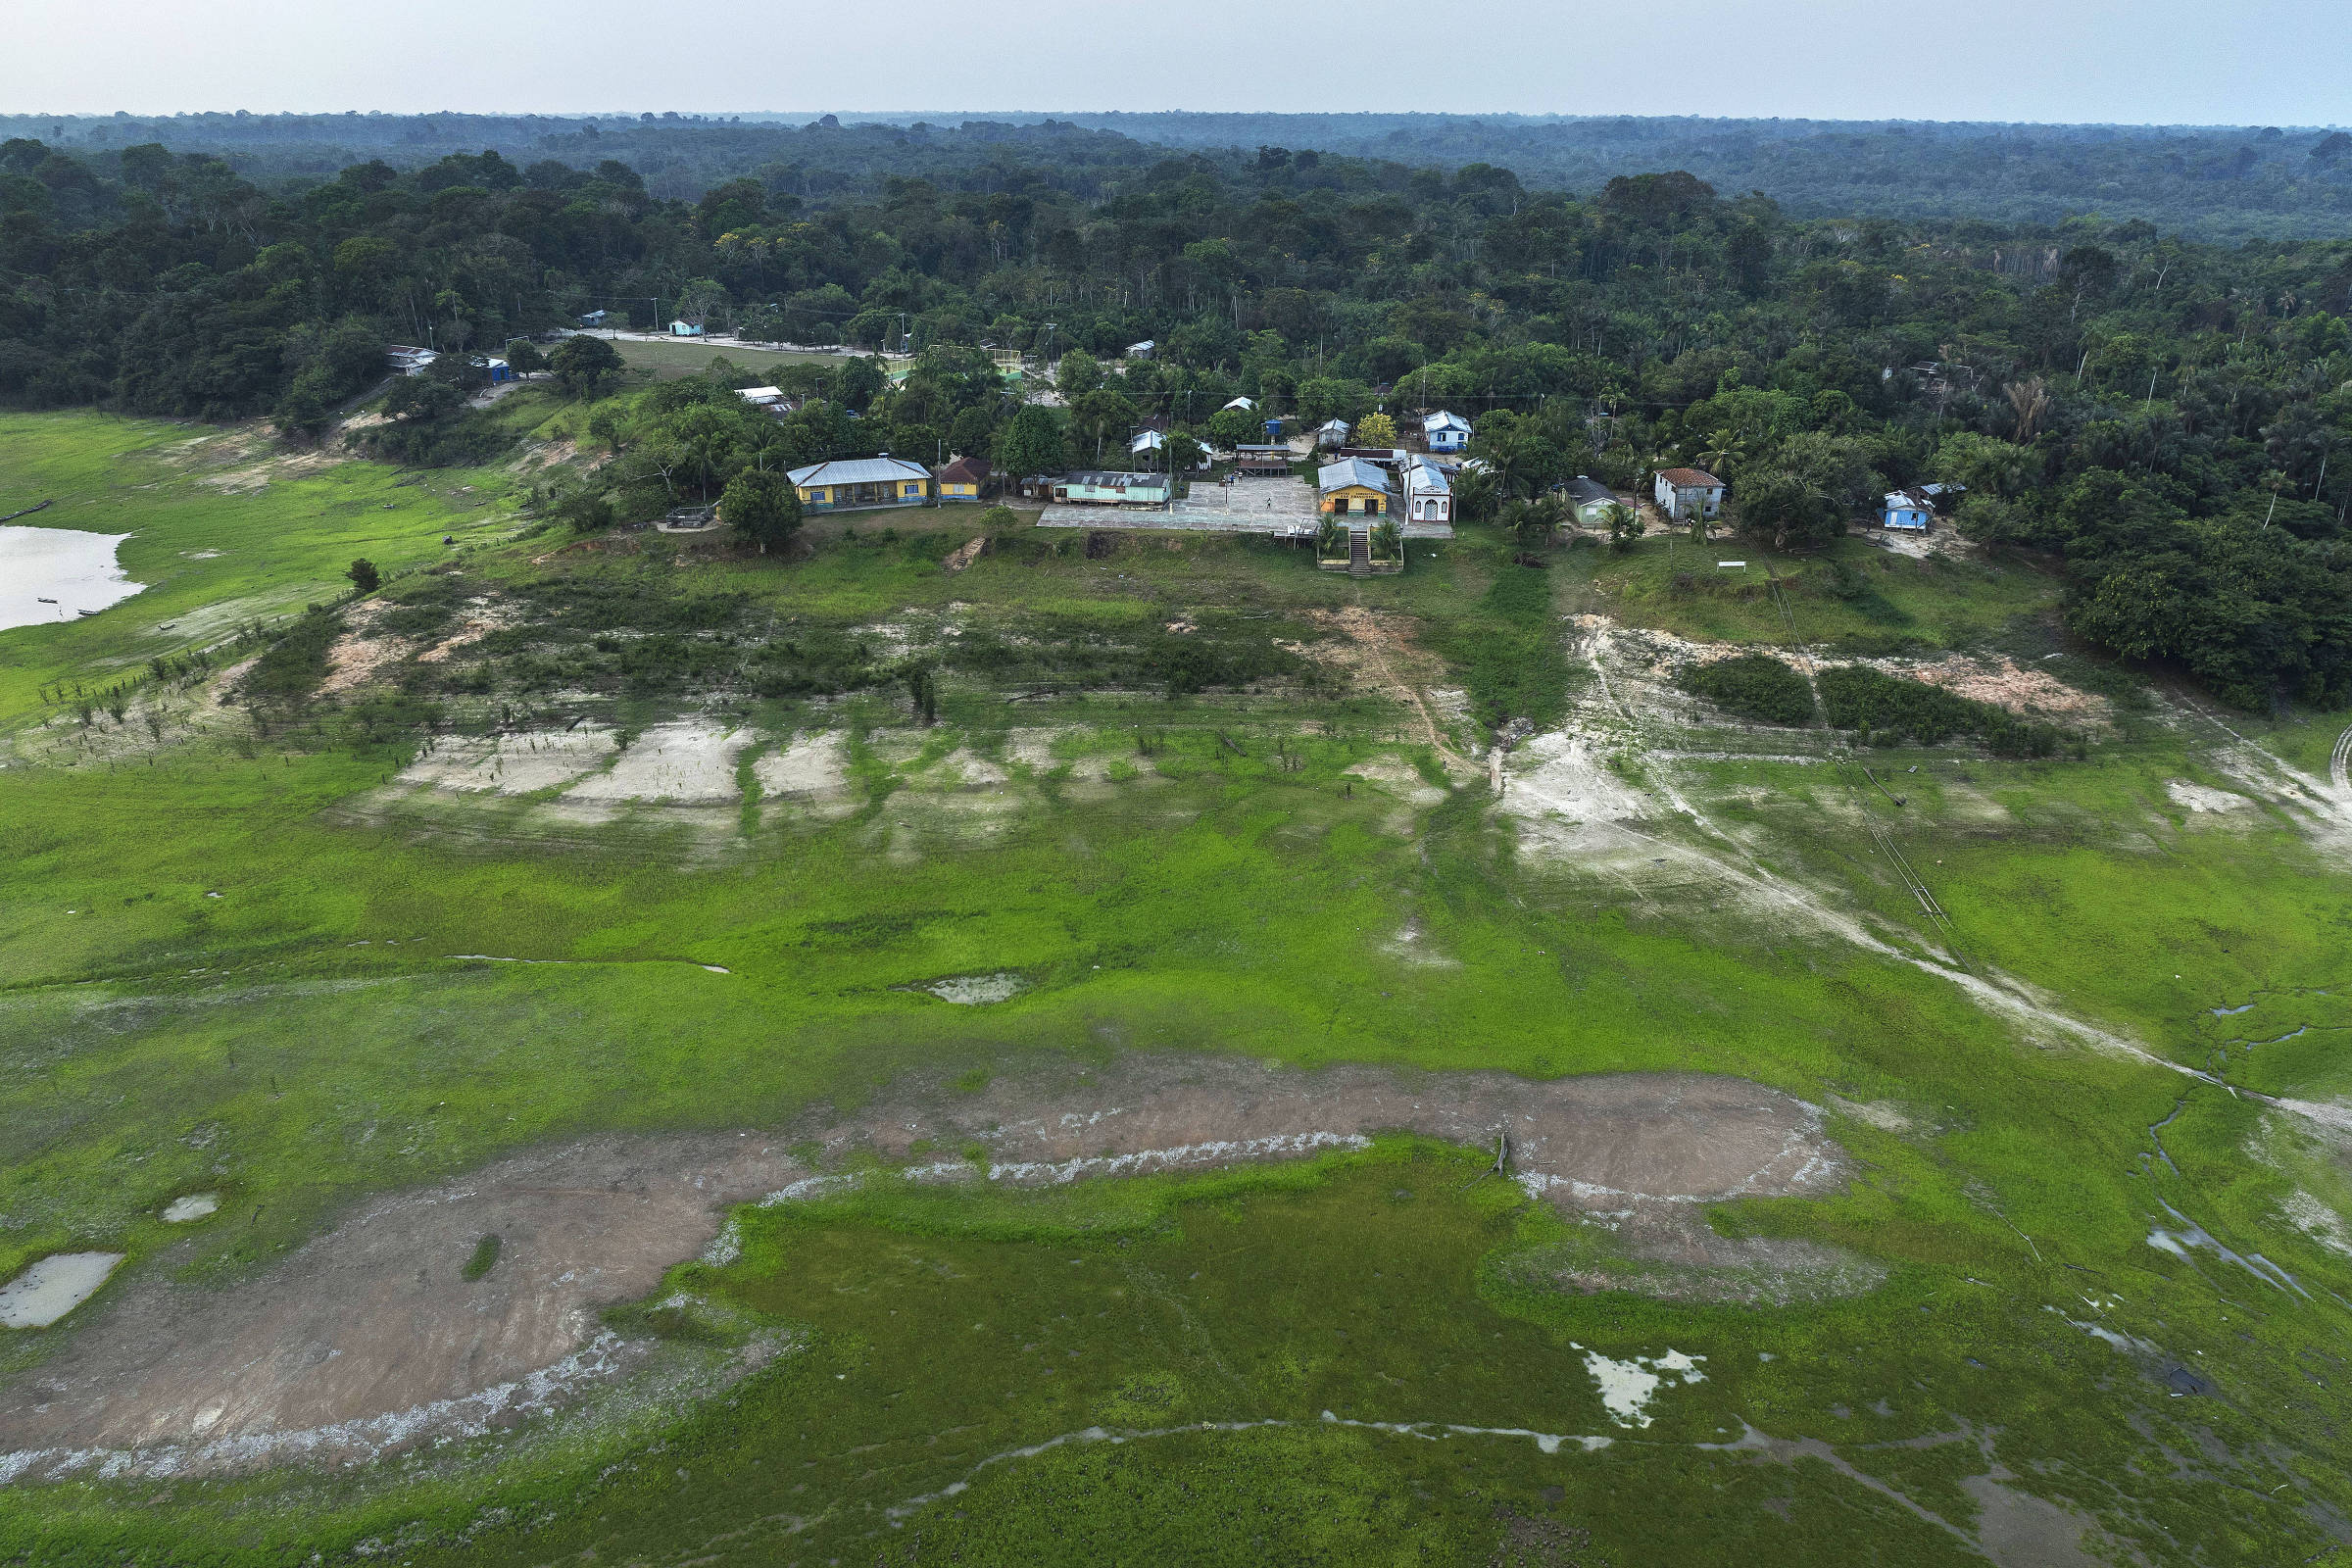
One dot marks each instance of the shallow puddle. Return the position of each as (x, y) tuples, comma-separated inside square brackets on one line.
[(969, 990), (53, 574), (53, 1287)]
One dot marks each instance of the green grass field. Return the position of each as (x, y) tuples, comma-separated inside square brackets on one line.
[(305, 1037), (674, 359)]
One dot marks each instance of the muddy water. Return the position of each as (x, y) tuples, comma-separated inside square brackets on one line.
[(76, 569)]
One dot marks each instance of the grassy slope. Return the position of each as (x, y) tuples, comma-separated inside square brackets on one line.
[(675, 361), (1232, 908), (287, 545)]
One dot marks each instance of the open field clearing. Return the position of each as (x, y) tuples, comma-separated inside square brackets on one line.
[(620, 1045)]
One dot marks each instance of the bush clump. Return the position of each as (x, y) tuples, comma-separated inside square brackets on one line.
[(1885, 708), (1753, 686)]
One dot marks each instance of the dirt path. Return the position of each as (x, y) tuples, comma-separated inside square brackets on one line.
[(1374, 642), (1572, 808), (369, 1339)]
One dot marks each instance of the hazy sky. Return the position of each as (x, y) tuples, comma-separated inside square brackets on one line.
[(2243, 61)]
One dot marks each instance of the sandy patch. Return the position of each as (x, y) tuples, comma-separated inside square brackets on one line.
[(1379, 653), (367, 1338), (960, 769), (482, 619), (1400, 778), (511, 765), (374, 1321), (53, 1287), (1883, 1114), (1561, 776), (2004, 683), (813, 768), (686, 762), (1034, 747), (2198, 798), (256, 477), (358, 654), (2318, 1221), (193, 1206), (1410, 945)]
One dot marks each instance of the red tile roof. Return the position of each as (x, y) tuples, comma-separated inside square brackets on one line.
[(966, 470), (1689, 478)]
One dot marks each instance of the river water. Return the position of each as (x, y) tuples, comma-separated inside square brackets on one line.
[(76, 570)]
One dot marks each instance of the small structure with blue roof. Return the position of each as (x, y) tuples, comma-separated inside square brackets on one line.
[(1445, 431)]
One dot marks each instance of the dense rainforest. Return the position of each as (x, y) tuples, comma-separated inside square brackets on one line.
[(2221, 182), (2165, 415)]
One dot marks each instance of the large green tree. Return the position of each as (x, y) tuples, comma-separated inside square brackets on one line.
[(1031, 441), (586, 366), (762, 509)]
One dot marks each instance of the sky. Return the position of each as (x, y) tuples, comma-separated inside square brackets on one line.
[(2165, 62)]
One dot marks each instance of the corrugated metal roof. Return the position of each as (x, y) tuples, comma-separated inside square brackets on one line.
[(1106, 480), (1350, 470), (1426, 480), (1445, 420), (859, 471), (1585, 491)]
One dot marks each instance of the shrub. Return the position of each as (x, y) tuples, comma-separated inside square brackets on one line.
[(1884, 709), (1753, 686)]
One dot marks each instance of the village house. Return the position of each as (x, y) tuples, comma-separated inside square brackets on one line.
[(1112, 489), (1443, 431), (1684, 493), (1907, 512), (1333, 434), (964, 479), (1428, 493), (1264, 460), (685, 329), (1589, 500), (1352, 485), (1142, 351), (849, 482)]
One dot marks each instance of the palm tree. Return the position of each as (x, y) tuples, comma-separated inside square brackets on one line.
[(2030, 400), (1387, 540), (1331, 538), (1536, 519), (1475, 492), (1623, 524)]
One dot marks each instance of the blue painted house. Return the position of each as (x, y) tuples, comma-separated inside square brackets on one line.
[(1907, 511), (1445, 432)]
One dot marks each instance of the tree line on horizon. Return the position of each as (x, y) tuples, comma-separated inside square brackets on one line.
[(2169, 417)]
